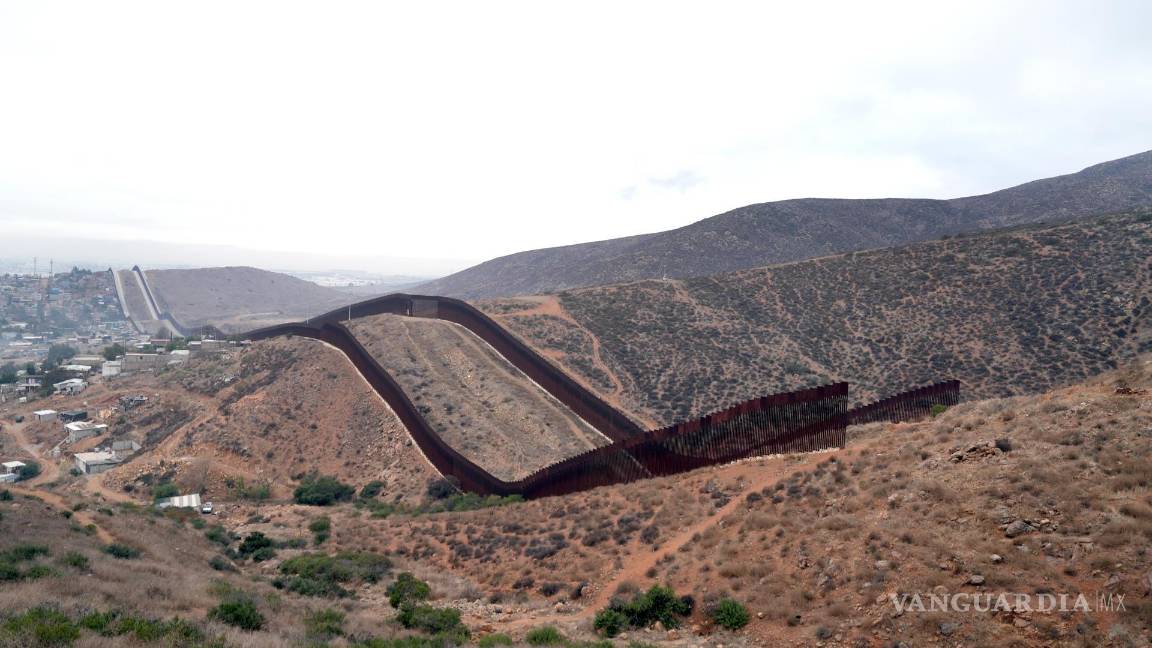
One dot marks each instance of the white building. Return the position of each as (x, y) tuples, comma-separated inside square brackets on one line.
[(110, 368), (71, 387), (10, 471), (44, 415), (91, 463), (78, 369), (84, 429)]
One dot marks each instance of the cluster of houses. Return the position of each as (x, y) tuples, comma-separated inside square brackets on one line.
[(77, 427), (78, 307)]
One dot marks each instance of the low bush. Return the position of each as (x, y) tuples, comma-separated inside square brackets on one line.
[(123, 552), (316, 574), (493, 640), (646, 608), (29, 470), (372, 489), (258, 546), (218, 534), (22, 552), (167, 489), (318, 490), (610, 622), (546, 636), (730, 614), (41, 626), (407, 589), (325, 624), (444, 622), (238, 610), (76, 560)]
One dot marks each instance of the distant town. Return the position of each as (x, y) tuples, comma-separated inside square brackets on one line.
[(61, 331)]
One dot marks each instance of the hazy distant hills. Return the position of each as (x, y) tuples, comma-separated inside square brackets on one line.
[(1006, 312), (239, 298), (794, 230)]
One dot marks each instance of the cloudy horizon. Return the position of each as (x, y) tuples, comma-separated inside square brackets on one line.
[(432, 136)]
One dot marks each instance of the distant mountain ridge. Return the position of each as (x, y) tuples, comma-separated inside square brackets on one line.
[(799, 229)]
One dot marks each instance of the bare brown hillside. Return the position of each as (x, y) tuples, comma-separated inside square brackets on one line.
[(1029, 494), (1006, 312), (238, 299), (1025, 495), (479, 403)]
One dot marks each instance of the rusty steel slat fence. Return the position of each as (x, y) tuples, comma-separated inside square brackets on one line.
[(910, 405), (801, 421)]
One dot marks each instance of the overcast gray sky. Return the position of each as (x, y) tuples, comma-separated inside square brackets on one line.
[(462, 131)]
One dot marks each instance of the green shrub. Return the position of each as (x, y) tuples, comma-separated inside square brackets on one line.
[(22, 552), (38, 571), (124, 552), (263, 553), (29, 470), (5, 495), (218, 534), (610, 622), (42, 626), (646, 608), (437, 621), (254, 542), (546, 636), (320, 528), (322, 491), (198, 523), (220, 563), (98, 621), (75, 560), (730, 614), (238, 610), (316, 574), (167, 489), (407, 589), (493, 640), (256, 492), (325, 623), (937, 410), (371, 489)]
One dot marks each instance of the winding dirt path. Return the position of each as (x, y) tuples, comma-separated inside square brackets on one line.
[(49, 472), (550, 306), (637, 566)]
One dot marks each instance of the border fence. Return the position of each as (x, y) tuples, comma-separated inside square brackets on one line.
[(808, 420), (907, 406)]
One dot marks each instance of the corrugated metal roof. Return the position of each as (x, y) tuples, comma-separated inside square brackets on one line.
[(180, 501)]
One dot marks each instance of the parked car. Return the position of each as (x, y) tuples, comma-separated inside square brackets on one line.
[(206, 508)]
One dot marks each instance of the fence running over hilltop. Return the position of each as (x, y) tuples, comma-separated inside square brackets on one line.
[(807, 420), (613, 423), (802, 421), (909, 405)]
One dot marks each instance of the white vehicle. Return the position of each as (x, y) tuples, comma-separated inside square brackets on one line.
[(206, 509)]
